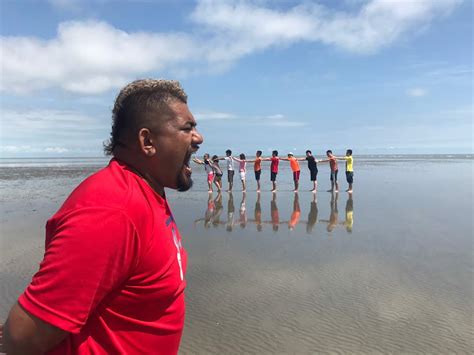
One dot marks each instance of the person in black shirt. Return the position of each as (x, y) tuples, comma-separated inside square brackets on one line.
[(313, 169)]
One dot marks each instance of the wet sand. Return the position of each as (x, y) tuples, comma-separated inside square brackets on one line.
[(388, 270)]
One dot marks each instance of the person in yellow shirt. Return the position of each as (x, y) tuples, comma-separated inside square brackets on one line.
[(349, 169)]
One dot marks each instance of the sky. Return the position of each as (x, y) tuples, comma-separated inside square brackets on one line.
[(376, 76)]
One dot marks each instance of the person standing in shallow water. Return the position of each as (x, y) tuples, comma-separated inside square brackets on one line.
[(217, 172), (313, 169), (208, 167), (334, 170), (295, 168), (230, 168), (275, 160), (349, 169), (242, 169), (112, 277), (257, 167)]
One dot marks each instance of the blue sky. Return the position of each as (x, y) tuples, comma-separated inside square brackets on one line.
[(377, 76)]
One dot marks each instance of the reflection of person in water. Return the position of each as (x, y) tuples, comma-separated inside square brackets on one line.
[(258, 213), (349, 214), (208, 214), (230, 213), (296, 214), (274, 213), (333, 218), (218, 208), (312, 215), (243, 211)]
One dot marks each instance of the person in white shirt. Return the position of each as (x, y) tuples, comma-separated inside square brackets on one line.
[(242, 169), (230, 167)]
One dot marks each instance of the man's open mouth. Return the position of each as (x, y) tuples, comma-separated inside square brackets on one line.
[(187, 169)]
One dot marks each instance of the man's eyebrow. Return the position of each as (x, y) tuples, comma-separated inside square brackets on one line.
[(191, 123)]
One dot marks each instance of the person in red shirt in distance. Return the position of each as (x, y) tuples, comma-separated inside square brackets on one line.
[(275, 160), (334, 170), (112, 278)]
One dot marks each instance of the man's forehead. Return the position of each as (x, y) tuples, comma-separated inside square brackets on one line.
[(180, 111)]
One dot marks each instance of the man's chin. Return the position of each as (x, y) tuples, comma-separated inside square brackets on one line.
[(184, 183)]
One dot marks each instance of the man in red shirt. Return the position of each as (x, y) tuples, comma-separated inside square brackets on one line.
[(112, 278), (334, 170), (275, 160)]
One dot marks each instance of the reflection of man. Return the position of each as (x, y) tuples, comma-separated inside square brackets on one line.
[(312, 215), (243, 211), (348, 223), (296, 214), (208, 215), (230, 213), (258, 213), (112, 277), (216, 218), (274, 213), (334, 216)]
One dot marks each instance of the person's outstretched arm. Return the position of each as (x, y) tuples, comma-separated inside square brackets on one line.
[(23, 333), (198, 161)]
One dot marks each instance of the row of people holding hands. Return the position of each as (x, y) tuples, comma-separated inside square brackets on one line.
[(214, 171)]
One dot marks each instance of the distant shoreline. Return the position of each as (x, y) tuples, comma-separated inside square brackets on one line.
[(373, 155)]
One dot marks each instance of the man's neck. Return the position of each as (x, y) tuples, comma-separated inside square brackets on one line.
[(139, 165)]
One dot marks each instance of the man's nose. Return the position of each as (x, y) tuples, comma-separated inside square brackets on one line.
[(197, 138)]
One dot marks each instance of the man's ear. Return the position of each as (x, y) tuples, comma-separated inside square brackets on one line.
[(146, 142)]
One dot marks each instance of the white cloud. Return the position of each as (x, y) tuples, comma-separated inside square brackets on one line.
[(273, 120), (51, 129), (90, 57), (58, 150), (277, 116), (206, 116), (416, 92), (244, 28), (65, 4), (289, 124), (32, 149)]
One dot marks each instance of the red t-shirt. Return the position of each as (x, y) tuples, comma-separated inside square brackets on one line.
[(113, 270), (274, 164)]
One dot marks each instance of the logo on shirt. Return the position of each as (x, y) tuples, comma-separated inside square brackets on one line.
[(177, 244)]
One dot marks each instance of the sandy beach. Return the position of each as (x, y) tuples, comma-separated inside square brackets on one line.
[(386, 270)]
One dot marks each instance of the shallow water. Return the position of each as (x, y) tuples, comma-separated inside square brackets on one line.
[(386, 270)]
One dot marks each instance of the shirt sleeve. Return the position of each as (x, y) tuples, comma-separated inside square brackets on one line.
[(91, 252)]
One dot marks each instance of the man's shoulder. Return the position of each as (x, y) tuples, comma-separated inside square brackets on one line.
[(111, 187)]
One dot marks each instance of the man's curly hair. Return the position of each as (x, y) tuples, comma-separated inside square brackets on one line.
[(135, 105)]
